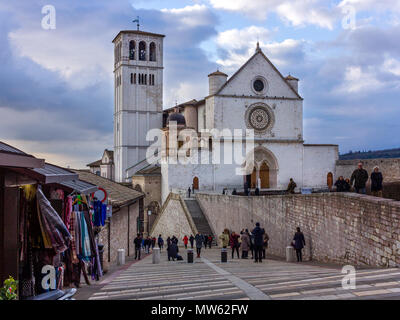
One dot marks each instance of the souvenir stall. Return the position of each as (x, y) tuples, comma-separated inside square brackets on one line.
[(57, 236)]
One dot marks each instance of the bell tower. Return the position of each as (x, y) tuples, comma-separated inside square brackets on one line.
[(138, 91)]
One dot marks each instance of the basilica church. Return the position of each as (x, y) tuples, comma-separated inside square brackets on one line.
[(257, 97)]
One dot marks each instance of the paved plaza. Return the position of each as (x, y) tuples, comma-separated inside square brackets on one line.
[(209, 279)]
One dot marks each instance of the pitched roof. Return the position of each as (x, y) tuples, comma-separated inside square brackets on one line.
[(13, 157), (118, 195), (151, 170), (96, 163), (259, 51)]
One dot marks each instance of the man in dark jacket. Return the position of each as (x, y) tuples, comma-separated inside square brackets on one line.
[(160, 242), (138, 243), (360, 178), (191, 240), (376, 182), (258, 242), (340, 184), (298, 244)]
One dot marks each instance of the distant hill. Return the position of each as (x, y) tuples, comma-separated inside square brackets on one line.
[(389, 153)]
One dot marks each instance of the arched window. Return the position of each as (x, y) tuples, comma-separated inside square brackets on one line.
[(142, 50), (152, 52), (329, 180), (132, 47)]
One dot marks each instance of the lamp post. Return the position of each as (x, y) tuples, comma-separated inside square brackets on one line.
[(148, 221)]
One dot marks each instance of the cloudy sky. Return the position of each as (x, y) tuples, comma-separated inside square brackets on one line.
[(56, 86)]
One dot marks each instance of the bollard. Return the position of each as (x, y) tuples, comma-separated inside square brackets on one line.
[(156, 255), (190, 255), (290, 254), (224, 255), (121, 257)]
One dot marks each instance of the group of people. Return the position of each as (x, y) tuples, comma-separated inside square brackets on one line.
[(255, 241), (360, 177), (143, 244)]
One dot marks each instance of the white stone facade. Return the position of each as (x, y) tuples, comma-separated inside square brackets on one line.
[(279, 142)]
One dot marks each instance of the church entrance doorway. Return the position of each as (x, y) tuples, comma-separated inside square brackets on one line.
[(195, 183), (264, 176)]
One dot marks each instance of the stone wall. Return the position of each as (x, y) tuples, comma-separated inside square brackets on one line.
[(123, 231), (390, 168), (344, 228), (174, 219)]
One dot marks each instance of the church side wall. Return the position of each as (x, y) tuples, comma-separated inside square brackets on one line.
[(339, 228), (319, 160)]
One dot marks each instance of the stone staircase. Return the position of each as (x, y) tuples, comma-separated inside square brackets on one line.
[(199, 219)]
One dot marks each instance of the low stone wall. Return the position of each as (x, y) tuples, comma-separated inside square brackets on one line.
[(390, 168), (344, 228)]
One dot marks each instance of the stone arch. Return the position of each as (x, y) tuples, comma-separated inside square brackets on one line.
[(329, 180), (262, 168), (132, 49), (152, 52), (142, 51)]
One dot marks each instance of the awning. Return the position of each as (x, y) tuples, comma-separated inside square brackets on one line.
[(79, 186), (49, 174)]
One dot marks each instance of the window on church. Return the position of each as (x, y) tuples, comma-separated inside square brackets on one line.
[(142, 50), (134, 78), (145, 79), (131, 78), (132, 47), (152, 52)]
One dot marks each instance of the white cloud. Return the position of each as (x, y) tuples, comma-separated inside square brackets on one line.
[(356, 80), (191, 16), (80, 59), (392, 66), (239, 45), (296, 12)]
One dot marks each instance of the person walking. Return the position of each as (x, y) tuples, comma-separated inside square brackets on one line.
[(234, 243), (376, 182), (224, 238), (153, 243), (160, 242), (245, 245), (199, 243), (291, 186), (138, 244), (205, 241), (185, 241), (299, 243), (265, 244), (210, 240), (191, 239), (360, 178), (340, 184), (251, 237), (258, 242), (189, 191)]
